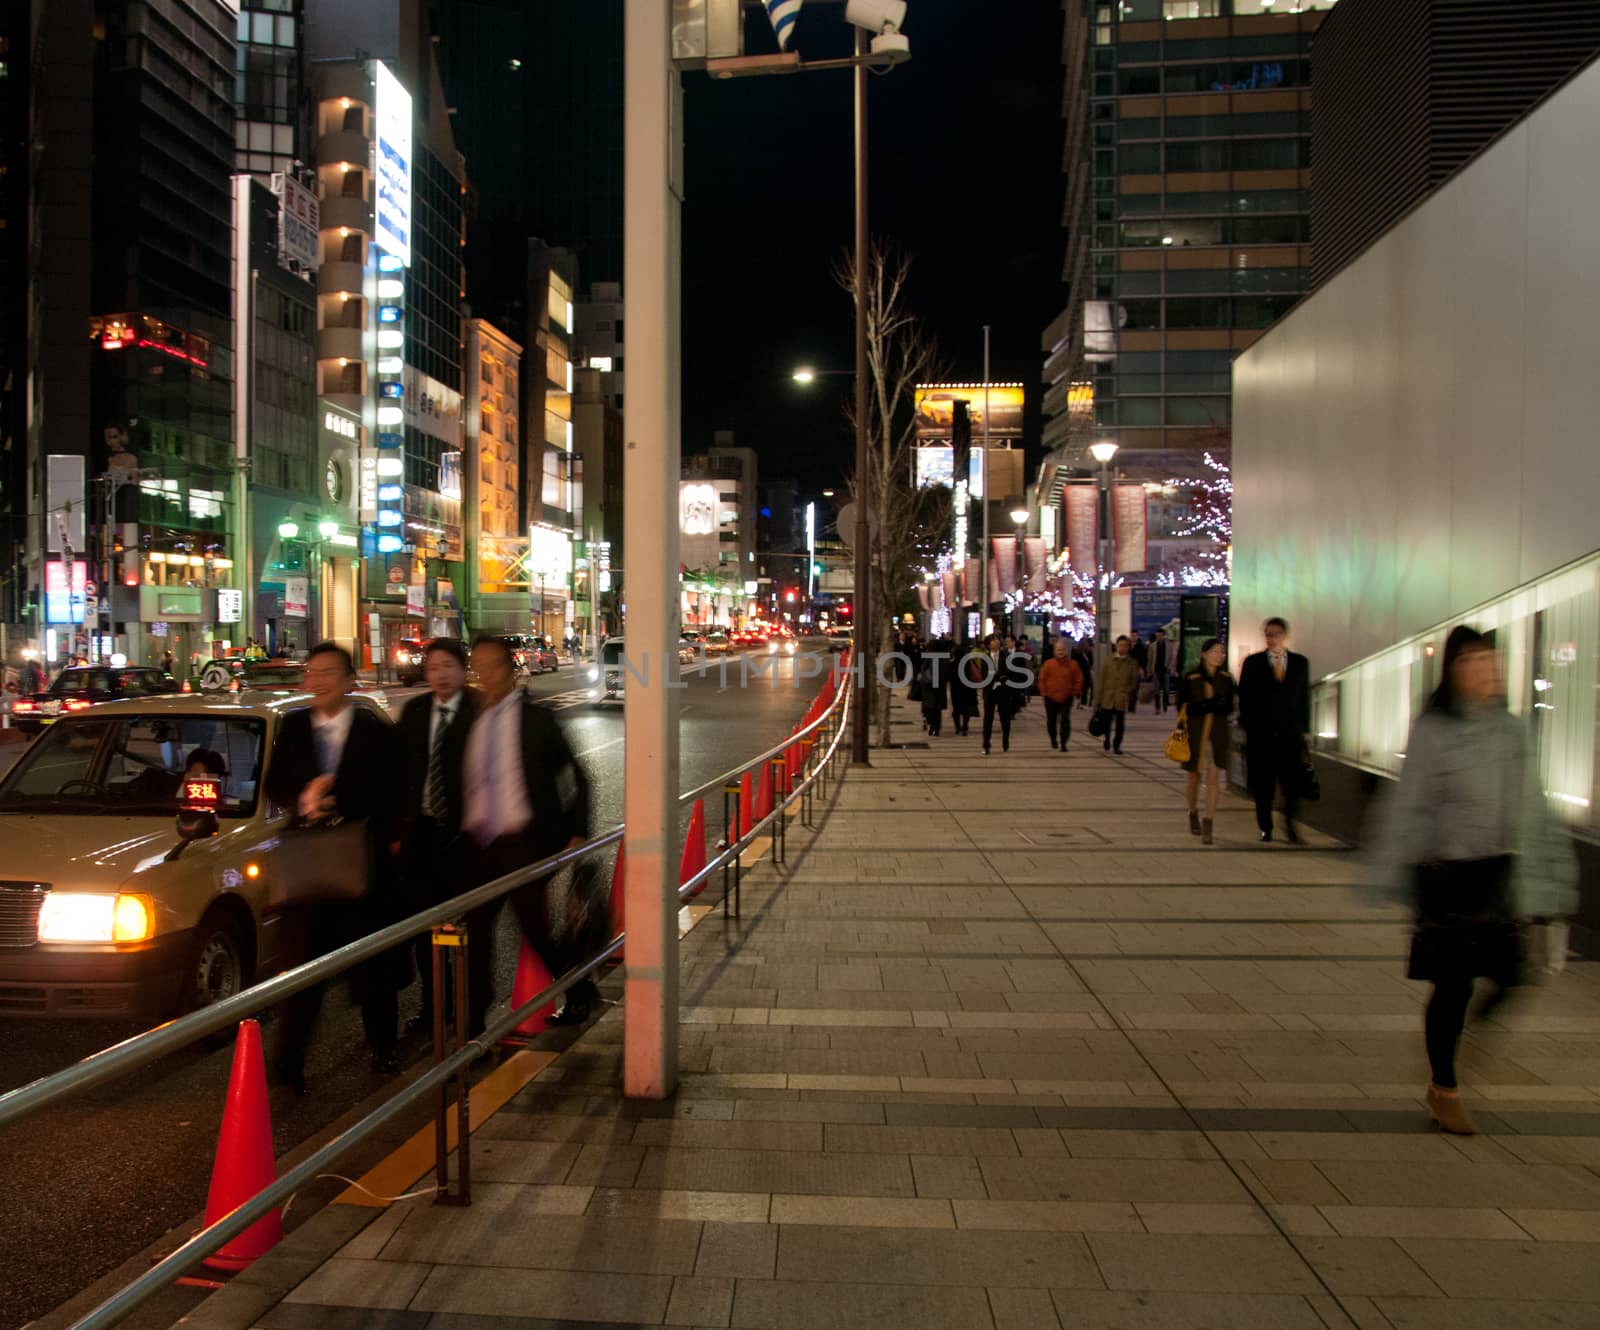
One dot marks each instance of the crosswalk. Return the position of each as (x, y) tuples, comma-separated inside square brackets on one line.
[(573, 697)]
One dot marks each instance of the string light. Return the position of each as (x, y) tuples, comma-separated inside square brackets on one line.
[(1210, 518)]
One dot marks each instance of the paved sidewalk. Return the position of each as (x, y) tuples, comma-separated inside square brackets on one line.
[(1006, 1048)]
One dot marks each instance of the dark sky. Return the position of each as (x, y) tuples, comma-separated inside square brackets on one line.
[(965, 152)]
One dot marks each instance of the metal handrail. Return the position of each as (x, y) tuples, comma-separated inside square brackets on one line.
[(144, 1048)]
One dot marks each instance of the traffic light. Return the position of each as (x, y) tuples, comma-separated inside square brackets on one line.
[(789, 596)]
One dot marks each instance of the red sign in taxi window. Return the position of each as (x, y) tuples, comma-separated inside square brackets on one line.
[(203, 792)]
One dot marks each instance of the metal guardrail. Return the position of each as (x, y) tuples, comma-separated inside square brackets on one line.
[(142, 1049)]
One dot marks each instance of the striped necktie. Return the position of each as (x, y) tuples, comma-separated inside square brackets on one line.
[(434, 796)]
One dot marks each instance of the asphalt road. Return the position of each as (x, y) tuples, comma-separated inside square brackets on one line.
[(97, 1180)]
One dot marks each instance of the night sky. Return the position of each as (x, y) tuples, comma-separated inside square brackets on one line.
[(965, 152)]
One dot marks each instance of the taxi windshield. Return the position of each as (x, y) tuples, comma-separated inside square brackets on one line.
[(135, 765)]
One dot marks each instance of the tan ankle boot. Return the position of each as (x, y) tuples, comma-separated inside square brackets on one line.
[(1449, 1112)]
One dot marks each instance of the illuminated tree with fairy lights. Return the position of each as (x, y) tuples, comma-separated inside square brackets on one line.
[(1210, 518)]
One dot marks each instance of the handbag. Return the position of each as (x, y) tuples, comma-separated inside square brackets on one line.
[(1307, 784), (1177, 744), (1100, 723)]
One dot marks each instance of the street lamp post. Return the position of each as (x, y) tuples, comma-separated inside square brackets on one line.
[(1102, 453), (861, 650), (1019, 519)]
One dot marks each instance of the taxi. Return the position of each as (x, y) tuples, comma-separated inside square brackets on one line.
[(143, 871)]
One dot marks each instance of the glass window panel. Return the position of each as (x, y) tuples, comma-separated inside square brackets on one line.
[(261, 29), (1197, 313), (1271, 154), (1185, 281), (1139, 53), (1142, 128), (1105, 58), (1193, 362), (1138, 11), (1141, 313), (1197, 411), (1197, 126), (1269, 122), (1200, 201), (1136, 234), (1140, 283), (1139, 411), (1105, 135), (1176, 9), (1139, 82), (1196, 48), (1139, 362), (1271, 230), (1271, 200), (1199, 383), (283, 139), (1195, 231), (1105, 210), (1139, 383), (1268, 279), (285, 32), (244, 27), (1132, 205), (1141, 159), (1207, 156), (1261, 311)]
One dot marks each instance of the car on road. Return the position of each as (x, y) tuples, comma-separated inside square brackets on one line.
[(718, 644), (782, 644), (605, 677), (272, 676), (132, 889), (534, 654), (80, 687), (408, 660)]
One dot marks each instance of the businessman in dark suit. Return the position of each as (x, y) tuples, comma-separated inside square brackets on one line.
[(524, 798), (1275, 711), (338, 760), (434, 728)]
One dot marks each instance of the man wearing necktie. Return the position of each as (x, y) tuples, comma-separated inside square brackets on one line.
[(337, 761), (524, 798), (435, 728), (1275, 711)]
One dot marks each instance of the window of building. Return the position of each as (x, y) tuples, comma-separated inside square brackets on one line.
[(1135, 82), (1139, 284), (1139, 128), (1174, 9), (1193, 281), (1197, 411), (1271, 154), (1137, 314), (1211, 156), (1141, 159), (1271, 230), (1197, 313), (1138, 411), (1138, 11), (1261, 311), (355, 120), (1138, 383), (1247, 280)]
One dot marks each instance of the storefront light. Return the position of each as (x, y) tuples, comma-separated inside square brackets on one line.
[(389, 263), (390, 415), (389, 517), (391, 339), (390, 493), (390, 544), (390, 288), (390, 365), (390, 466)]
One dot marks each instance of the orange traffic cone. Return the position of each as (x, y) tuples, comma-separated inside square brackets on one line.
[(233, 685), (616, 903), (244, 1165), (764, 799), (186, 688), (532, 977), (792, 758), (746, 807), (694, 846)]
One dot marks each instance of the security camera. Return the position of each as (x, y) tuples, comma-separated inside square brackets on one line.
[(883, 18)]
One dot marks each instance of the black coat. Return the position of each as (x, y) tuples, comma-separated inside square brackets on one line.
[(416, 726), (1270, 711), (935, 678), (558, 789), (369, 787)]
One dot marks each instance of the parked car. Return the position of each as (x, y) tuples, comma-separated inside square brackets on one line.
[(121, 896), (408, 660), (80, 687), (273, 676), (538, 656)]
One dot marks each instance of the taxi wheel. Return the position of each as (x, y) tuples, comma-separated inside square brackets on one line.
[(217, 960)]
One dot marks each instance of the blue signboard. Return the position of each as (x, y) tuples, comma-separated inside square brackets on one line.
[(1154, 608)]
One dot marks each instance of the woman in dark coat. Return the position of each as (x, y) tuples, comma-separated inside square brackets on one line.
[(1208, 698), (964, 689), (934, 679)]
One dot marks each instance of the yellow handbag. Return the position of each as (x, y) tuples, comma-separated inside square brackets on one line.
[(1177, 744)]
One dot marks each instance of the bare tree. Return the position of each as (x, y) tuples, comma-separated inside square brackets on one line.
[(905, 522)]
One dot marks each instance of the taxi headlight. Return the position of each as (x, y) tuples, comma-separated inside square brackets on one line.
[(593, 675), (77, 916)]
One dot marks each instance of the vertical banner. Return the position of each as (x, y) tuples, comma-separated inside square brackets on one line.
[(1128, 528), (951, 595), (1083, 528), (971, 583), (1033, 561), (1003, 565), (296, 591), (925, 597)]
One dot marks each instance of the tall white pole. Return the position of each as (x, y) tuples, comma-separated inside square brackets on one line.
[(983, 577), (651, 128), (864, 651)]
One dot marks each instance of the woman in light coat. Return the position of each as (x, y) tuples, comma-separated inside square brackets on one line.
[(1467, 840)]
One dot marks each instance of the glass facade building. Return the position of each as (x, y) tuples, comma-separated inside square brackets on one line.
[(269, 88), (1196, 215)]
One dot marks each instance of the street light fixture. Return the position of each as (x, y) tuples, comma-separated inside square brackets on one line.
[(804, 375), (288, 530), (1103, 451), (327, 529), (1019, 520), (1019, 515)]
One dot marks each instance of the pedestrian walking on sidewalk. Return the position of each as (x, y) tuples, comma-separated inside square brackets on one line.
[(934, 679), (1208, 697), (964, 687), (1119, 678), (1085, 658), (1007, 675), (1139, 649), (1468, 841), (1163, 665), (1275, 711), (1060, 682)]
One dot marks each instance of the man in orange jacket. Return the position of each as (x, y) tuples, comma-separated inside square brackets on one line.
[(1060, 683)]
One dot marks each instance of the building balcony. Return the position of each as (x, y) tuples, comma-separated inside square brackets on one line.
[(340, 344), (344, 146), (337, 211), (333, 278)]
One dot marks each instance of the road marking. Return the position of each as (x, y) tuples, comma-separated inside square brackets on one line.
[(401, 1170), (599, 748), (573, 697)]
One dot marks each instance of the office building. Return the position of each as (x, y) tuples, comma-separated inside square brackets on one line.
[(597, 440), (497, 542), (391, 290), (1414, 449), (1408, 91), (128, 222), (271, 129), (599, 335), (1199, 124), (15, 83), (718, 502)]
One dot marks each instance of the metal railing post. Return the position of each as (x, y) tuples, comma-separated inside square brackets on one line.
[(448, 939), (731, 833)]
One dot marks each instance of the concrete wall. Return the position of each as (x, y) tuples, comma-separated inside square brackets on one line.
[(1424, 431)]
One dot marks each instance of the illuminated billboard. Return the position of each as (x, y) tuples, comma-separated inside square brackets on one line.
[(697, 508), (935, 406), (391, 165)]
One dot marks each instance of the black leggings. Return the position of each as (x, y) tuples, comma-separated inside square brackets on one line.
[(1446, 1017)]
